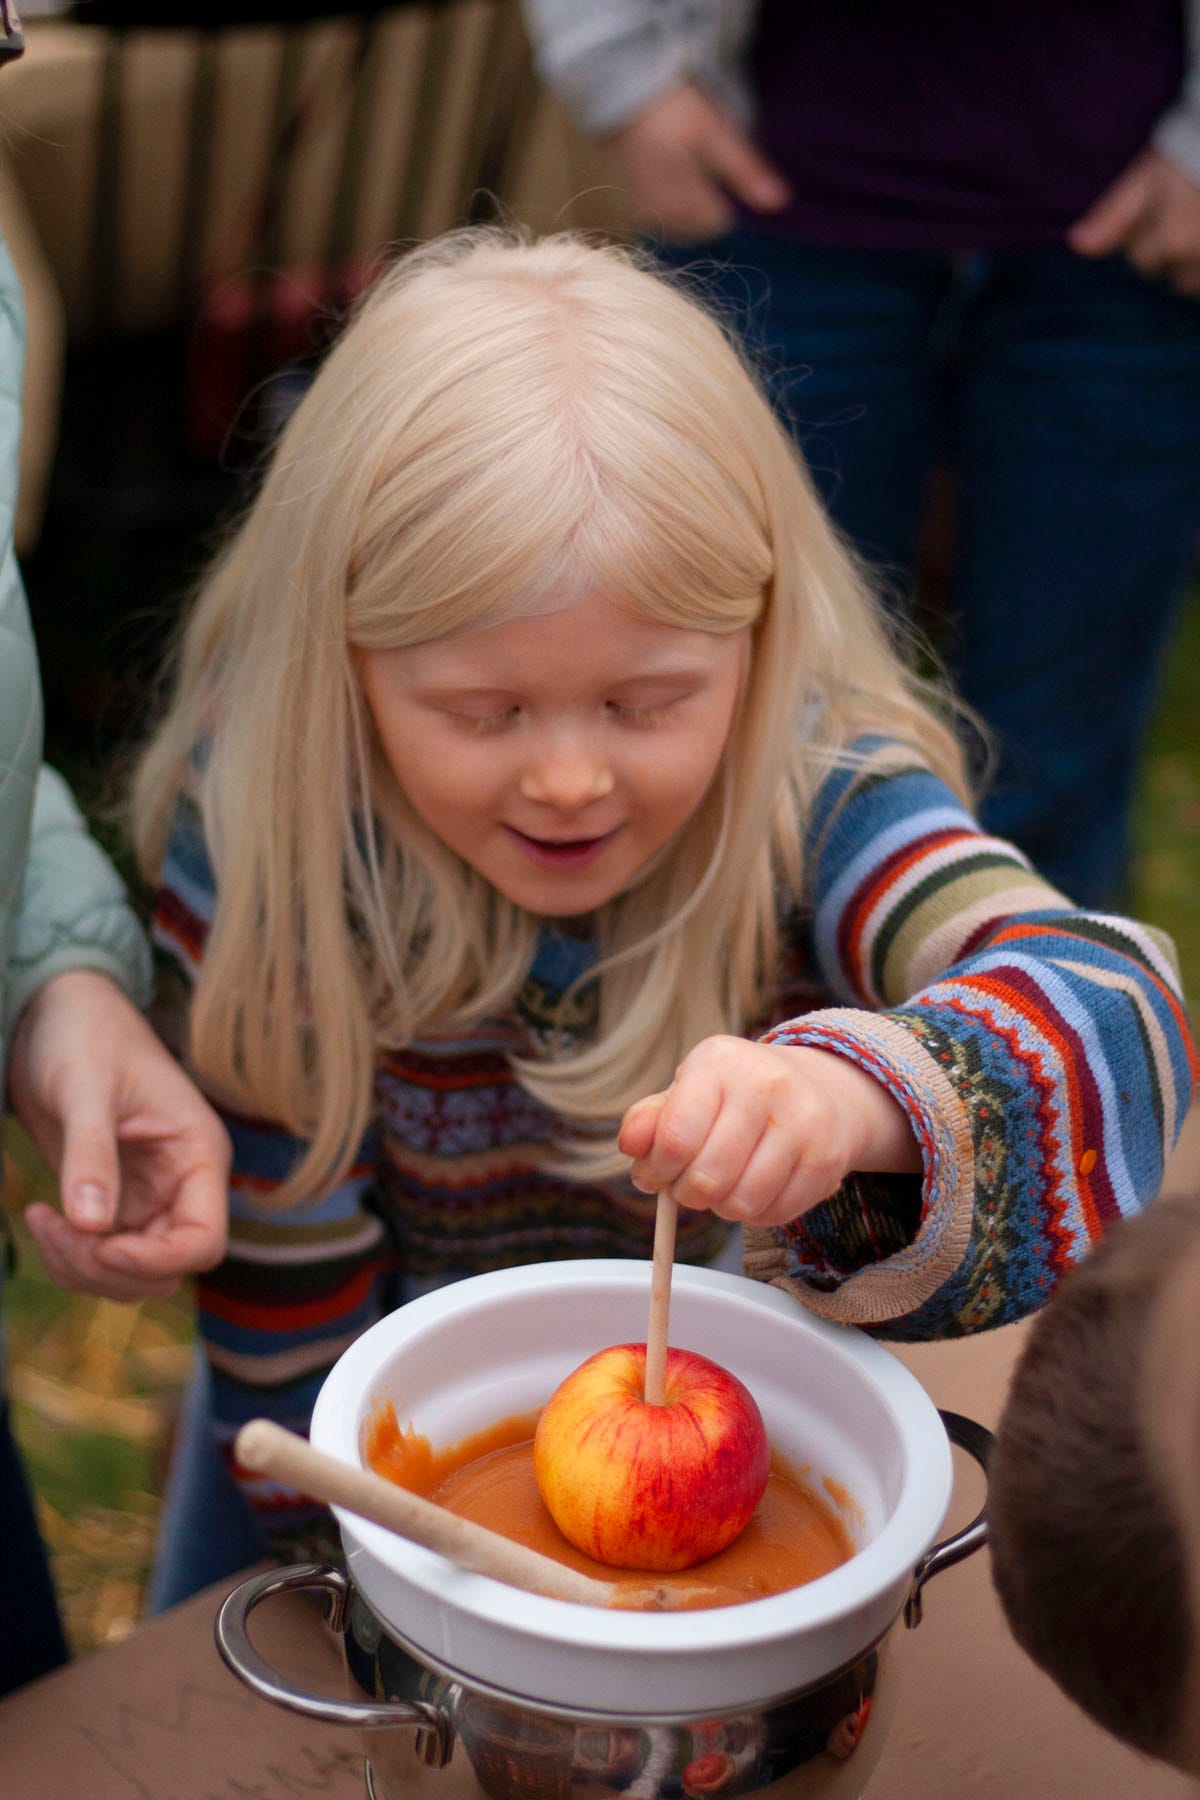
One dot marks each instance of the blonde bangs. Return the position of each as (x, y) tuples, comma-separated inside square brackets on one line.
[(590, 532)]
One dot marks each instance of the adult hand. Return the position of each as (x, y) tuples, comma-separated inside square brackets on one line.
[(684, 162), (142, 1160), (1152, 213), (761, 1133)]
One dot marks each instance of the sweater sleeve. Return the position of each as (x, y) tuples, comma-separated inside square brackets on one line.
[(605, 63), (1177, 134), (73, 912), (1042, 1055), (609, 63), (298, 1284)]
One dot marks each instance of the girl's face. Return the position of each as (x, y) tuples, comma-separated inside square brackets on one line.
[(557, 754)]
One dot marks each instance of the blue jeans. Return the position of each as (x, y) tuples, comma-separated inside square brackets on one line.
[(31, 1633), (206, 1532), (1063, 395)]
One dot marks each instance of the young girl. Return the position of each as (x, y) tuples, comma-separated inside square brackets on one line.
[(536, 747)]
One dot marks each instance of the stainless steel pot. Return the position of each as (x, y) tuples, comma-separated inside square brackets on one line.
[(510, 1693), (427, 1730)]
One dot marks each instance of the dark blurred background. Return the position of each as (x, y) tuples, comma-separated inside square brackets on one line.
[(193, 195)]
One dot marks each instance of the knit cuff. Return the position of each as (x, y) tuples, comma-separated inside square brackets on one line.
[(894, 1284), (1177, 137), (614, 77)]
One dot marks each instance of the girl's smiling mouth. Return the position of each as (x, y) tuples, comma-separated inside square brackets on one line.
[(561, 853)]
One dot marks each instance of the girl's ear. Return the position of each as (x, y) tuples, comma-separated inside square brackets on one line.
[(1170, 1398)]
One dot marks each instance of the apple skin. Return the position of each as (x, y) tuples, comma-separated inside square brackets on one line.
[(651, 1487)]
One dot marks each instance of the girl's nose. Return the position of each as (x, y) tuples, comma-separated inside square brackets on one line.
[(567, 775)]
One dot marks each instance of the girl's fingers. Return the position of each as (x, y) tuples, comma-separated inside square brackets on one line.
[(689, 1109), (799, 1194), (717, 1171), (770, 1169), (638, 1126)]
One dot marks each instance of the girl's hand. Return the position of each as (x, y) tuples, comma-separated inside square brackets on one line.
[(142, 1160), (761, 1133), (1152, 213), (684, 161)]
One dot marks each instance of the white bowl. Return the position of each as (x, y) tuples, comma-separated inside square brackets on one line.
[(835, 1403)]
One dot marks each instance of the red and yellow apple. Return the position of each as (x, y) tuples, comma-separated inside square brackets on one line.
[(651, 1487)]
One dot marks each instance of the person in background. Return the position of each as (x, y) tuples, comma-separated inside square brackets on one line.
[(140, 1157), (966, 237), (1094, 1486), (543, 818)]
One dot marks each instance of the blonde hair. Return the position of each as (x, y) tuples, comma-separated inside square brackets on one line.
[(502, 416)]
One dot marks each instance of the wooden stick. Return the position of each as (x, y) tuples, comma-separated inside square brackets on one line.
[(660, 1300), (270, 1450)]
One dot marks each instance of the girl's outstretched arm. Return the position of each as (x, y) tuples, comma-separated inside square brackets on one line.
[(1040, 1055)]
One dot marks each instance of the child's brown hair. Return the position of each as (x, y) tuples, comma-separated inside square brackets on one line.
[(1094, 1509)]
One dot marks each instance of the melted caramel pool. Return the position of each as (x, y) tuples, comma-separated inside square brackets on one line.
[(795, 1535)]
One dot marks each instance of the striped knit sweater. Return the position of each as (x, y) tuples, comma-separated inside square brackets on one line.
[(1042, 1055)]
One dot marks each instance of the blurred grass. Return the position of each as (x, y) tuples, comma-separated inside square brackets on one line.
[(95, 1384), (1167, 820)]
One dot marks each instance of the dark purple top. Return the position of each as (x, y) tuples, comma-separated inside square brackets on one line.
[(957, 124)]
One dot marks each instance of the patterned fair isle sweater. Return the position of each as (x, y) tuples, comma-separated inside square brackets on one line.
[(1042, 1055)]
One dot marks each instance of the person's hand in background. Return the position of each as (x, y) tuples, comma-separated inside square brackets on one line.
[(1152, 214), (142, 1160), (686, 163)]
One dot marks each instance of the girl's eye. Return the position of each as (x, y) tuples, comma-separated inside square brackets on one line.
[(644, 716), (490, 723)]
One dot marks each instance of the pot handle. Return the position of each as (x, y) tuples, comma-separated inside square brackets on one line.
[(978, 1442), (435, 1731)]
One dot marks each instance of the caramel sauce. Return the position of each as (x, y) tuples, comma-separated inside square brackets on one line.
[(795, 1535)]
